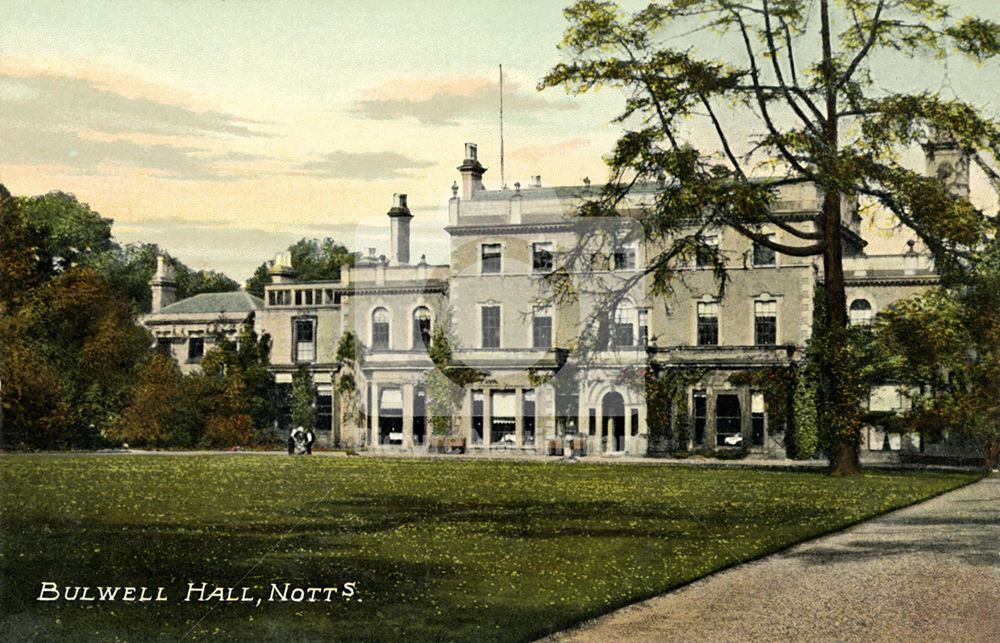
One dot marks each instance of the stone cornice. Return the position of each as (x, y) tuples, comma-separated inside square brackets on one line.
[(511, 228), (389, 289), (908, 280)]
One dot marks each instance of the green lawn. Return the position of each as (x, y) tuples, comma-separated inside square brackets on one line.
[(454, 550)]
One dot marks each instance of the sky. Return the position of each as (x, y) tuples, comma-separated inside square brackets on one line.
[(226, 130)]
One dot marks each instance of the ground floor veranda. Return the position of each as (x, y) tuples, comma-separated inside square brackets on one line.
[(599, 414)]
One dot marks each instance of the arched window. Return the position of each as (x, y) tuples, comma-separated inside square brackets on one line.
[(380, 329), (861, 312), (421, 328)]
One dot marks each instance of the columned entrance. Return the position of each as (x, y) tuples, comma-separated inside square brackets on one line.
[(613, 429)]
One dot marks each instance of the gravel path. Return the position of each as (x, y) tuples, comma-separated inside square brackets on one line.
[(930, 572)]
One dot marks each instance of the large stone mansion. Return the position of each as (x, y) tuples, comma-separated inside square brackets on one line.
[(507, 324)]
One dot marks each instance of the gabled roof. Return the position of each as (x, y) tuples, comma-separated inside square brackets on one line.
[(216, 302)]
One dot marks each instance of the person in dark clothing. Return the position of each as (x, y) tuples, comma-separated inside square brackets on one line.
[(310, 438)]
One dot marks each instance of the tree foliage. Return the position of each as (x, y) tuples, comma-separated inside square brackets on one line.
[(163, 408), (944, 346), (446, 382), (793, 92), (65, 233), (68, 355), (303, 399)]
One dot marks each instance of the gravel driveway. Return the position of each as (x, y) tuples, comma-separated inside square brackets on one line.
[(930, 572)]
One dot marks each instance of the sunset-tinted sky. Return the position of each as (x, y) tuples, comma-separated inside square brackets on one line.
[(225, 130)]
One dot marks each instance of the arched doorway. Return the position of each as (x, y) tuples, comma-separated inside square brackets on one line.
[(613, 411)]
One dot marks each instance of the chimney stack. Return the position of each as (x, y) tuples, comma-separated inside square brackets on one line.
[(472, 172), (281, 270), (536, 180), (163, 285), (399, 216)]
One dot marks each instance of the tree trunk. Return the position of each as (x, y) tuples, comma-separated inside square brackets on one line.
[(840, 408), (992, 453)]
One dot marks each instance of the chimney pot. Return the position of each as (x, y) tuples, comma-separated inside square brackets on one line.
[(472, 172), (399, 230), (536, 181)]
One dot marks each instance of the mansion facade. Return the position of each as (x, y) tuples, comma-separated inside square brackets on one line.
[(541, 378)]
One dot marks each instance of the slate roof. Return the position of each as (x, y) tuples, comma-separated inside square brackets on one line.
[(216, 302)]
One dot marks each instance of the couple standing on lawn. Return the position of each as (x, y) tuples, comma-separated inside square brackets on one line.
[(301, 441)]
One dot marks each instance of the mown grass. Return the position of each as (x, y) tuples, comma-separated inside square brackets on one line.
[(440, 550)]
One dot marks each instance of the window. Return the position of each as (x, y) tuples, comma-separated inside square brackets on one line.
[(380, 329), (624, 257), (704, 255), (390, 416), (700, 416), (491, 258), (622, 330), (502, 412), (541, 327), (477, 417), (304, 336), (491, 326), (762, 255), (163, 345), (196, 348), (298, 297), (861, 312), (419, 415), (728, 421), (757, 419), (528, 417), (421, 328), (765, 323), (324, 408), (643, 328), (708, 323), (541, 257)]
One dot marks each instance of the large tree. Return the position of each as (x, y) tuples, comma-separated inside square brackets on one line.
[(70, 348), (945, 345), (793, 92), (67, 233)]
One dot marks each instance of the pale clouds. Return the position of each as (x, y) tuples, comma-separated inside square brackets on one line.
[(368, 166), (89, 127), (447, 101), (46, 101)]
